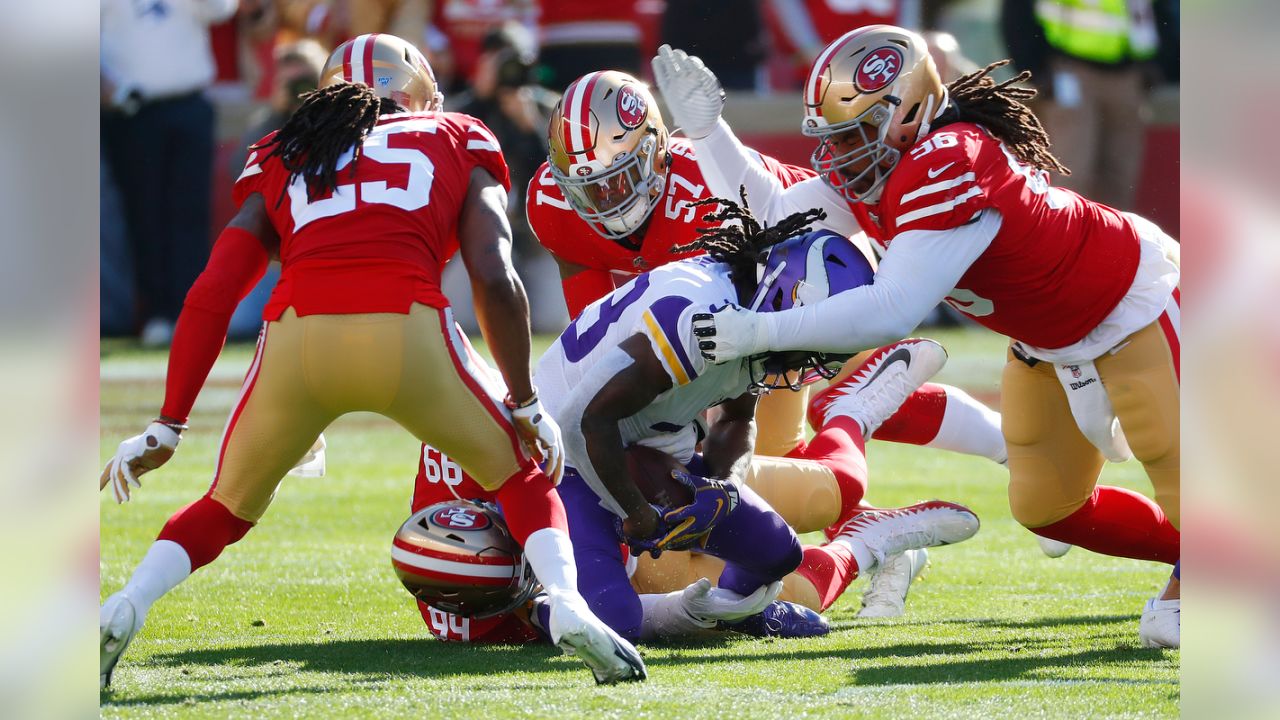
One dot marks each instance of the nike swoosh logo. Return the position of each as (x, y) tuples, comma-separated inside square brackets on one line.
[(899, 355), (935, 172)]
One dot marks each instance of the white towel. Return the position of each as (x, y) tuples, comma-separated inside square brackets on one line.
[(1092, 409)]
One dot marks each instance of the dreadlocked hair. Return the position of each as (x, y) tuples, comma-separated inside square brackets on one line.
[(742, 246), (999, 108), (330, 121)]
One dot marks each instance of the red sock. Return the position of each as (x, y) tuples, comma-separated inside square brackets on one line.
[(530, 503), (830, 569), (1118, 522), (204, 528), (918, 419), (840, 447)]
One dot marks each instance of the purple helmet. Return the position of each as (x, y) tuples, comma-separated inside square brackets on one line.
[(800, 271)]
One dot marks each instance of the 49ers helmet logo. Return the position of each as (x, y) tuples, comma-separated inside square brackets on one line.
[(459, 518), (879, 68), (632, 107)]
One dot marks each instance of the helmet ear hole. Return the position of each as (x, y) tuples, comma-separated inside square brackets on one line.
[(911, 114)]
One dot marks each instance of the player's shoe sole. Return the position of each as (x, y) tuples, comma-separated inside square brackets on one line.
[(886, 596), (610, 658), (579, 632), (117, 625), (888, 532), (877, 388)]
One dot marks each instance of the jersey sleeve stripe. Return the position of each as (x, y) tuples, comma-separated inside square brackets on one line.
[(941, 207), (486, 141), (937, 187), (669, 356)]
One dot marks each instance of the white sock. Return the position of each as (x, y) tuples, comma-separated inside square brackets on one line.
[(550, 554), (166, 564), (970, 427), (861, 553)]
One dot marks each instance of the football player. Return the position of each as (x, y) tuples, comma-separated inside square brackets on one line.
[(363, 195), (626, 371), (952, 184)]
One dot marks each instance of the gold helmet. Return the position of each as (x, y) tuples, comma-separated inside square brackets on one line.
[(878, 81), (459, 556), (608, 151), (393, 67)]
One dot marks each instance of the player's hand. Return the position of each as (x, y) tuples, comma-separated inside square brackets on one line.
[(643, 533), (541, 437), (729, 333), (712, 501), (693, 94), (139, 455), (704, 602)]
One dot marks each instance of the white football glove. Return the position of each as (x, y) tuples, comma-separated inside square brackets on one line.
[(706, 603), (541, 437), (729, 333), (137, 456), (312, 464), (692, 92)]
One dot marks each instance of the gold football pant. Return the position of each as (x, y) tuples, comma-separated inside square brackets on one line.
[(780, 421), (414, 368), (1053, 468)]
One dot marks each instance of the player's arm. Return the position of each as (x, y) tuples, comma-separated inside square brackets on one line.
[(502, 310), (728, 446), (582, 285), (917, 271), (625, 382), (237, 261), (695, 100)]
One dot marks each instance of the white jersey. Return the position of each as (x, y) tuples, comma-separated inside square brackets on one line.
[(658, 305)]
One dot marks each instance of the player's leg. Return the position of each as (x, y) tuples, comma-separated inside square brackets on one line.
[(1142, 381), (806, 493), (440, 372), (272, 424), (757, 545), (1053, 474), (780, 423)]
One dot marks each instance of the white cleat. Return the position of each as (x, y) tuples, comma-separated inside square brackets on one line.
[(879, 386), (577, 631), (886, 596), (1054, 548), (118, 623), (1161, 624), (886, 533)]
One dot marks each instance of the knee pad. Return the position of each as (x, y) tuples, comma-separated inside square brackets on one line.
[(803, 492)]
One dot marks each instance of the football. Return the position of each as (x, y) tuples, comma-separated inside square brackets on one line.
[(651, 470)]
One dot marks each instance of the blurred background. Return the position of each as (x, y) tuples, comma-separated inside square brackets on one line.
[(1107, 71)]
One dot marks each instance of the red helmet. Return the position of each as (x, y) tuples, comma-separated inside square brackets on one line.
[(460, 557)]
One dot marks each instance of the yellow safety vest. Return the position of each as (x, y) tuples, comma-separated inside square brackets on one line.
[(1104, 31)]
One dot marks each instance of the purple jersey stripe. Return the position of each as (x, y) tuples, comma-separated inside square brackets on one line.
[(667, 312)]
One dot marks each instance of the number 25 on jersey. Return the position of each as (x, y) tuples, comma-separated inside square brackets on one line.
[(377, 148)]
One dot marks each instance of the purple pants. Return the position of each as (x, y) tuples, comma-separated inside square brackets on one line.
[(758, 548)]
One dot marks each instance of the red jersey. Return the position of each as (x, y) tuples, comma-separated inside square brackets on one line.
[(1060, 262), (380, 241), (673, 222), (440, 479)]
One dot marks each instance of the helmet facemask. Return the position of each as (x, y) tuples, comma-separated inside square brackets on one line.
[(618, 200), (872, 154)]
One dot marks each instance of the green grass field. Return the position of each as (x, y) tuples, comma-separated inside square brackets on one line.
[(305, 618)]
